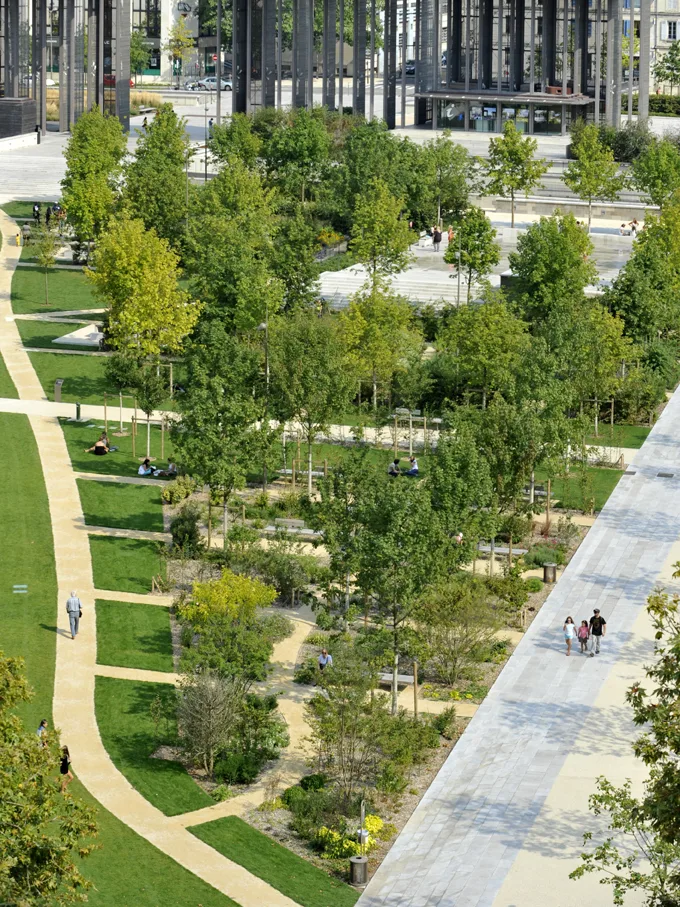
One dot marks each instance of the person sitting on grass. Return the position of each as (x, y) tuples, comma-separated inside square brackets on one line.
[(145, 469), (170, 472), (413, 469), (100, 447), (393, 469)]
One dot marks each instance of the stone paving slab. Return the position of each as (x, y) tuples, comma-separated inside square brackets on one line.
[(502, 822)]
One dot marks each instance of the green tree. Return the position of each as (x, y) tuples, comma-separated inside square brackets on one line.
[(311, 379), (140, 53), (594, 174), (293, 258), (297, 154), (657, 171), (451, 175), (380, 233), (45, 247), (136, 276), (150, 389), (43, 830), (180, 45), (236, 139), (155, 179), (488, 343), (209, 707), (479, 251), (93, 156), (216, 437), (380, 334), (667, 67), (512, 167)]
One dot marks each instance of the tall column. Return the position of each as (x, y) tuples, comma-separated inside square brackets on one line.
[(371, 89), (549, 41), (565, 48), (645, 38), (330, 39), (532, 50), (390, 65), (39, 62), (614, 63), (218, 63), (518, 54), (359, 63), (239, 95), (455, 40), (123, 63), (598, 62), (631, 58), (580, 46), (268, 53), (100, 52), (485, 68), (499, 49), (302, 75), (12, 76), (64, 66)]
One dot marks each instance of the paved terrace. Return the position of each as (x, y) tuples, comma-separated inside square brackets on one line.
[(502, 823)]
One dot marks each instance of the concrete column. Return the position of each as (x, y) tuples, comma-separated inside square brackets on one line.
[(455, 36), (64, 65), (598, 61), (239, 55), (91, 80), (468, 68), (631, 58), (549, 41), (12, 67), (359, 62), (532, 53), (371, 89), (269, 53), (580, 46), (565, 48), (390, 64), (499, 41), (518, 55), (330, 39), (485, 68), (645, 37), (302, 75), (123, 63), (614, 63)]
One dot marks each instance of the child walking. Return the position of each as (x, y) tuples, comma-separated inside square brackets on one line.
[(569, 633), (583, 636)]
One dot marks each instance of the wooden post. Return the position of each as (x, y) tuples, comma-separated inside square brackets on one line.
[(415, 688), (106, 421), (293, 471), (410, 434), (134, 435), (134, 400), (243, 514), (395, 436), (162, 439), (120, 400), (172, 383), (424, 434), (325, 469), (547, 509), (299, 453), (611, 415)]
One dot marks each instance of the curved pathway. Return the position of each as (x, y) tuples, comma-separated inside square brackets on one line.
[(76, 666)]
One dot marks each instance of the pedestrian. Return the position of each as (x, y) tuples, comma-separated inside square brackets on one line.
[(145, 124), (325, 660), (450, 234), (634, 227), (583, 636), (36, 212), (74, 609), (48, 216), (211, 123), (41, 733), (436, 238), (569, 633), (65, 769), (18, 238), (598, 629)]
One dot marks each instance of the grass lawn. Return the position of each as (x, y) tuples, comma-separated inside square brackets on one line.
[(569, 492), (23, 209), (275, 864), (129, 735), (633, 436), (68, 291), (7, 388), (121, 506), (42, 333), (124, 565), (134, 636), (81, 435)]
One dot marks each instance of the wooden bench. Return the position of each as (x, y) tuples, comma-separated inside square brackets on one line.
[(539, 491), (500, 549), (301, 530), (403, 679), (316, 473)]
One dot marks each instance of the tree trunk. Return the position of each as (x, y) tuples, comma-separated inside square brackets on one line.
[(309, 464), (532, 488), (148, 435), (47, 292), (347, 592), (547, 508), (590, 212), (395, 672), (225, 511), (469, 278), (510, 552), (492, 556), (209, 516), (483, 398), (597, 419), (375, 391), (512, 208)]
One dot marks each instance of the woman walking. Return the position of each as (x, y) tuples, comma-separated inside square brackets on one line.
[(569, 633), (65, 769), (584, 636)]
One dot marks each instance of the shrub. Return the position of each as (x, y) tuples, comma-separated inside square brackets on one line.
[(320, 640), (391, 780), (337, 846), (238, 768), (222, 792), (307, 672), (186, 534), (538, 555), (534, 584), (314, 782), (325, 620), (293, 796), (376, 828), (178, 490), (276, 627), (445, 722)]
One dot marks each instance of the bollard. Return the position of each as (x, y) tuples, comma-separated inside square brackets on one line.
[(58, 384), (77, 412), (358, 871), (549, 573)]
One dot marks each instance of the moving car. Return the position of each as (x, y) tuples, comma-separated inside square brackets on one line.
[(210, 84)]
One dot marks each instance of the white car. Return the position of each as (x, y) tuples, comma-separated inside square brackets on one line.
[(50, 83), (210, 84)]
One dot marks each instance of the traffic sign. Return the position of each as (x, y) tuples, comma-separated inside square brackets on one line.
[(214, 58)]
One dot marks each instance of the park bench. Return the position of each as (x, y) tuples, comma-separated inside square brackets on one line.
[(500, 549), (147, 110), (316, 473), (539, 491), (294, 527), (403, 679)]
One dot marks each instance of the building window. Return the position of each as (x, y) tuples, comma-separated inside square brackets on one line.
[(146, 17), (672, 31), (672, 4)]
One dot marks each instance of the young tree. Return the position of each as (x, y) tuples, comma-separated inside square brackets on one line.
[(151, 389), (476, 243), (311, 378), (667, 67), (380, 334), (380, 233), (594, 174), (236, 139), (512, 167), (45, 246), (293, 258), (657, 171), (451, 175), (94, 156), (209, 708), (43, 830), (155, 179), (140, 53), (297, 153), (136, 276), (180, 45)]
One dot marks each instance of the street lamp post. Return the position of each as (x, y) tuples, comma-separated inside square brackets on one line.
[(458, 253)]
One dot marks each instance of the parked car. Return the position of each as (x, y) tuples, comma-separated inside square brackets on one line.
[(210, 84), (50, 83), (410, 68), (110, 81)]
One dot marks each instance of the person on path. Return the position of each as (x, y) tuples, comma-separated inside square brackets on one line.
[(65, 769), (18, 238), (325, 660), (598, 629), (436, 238), (74, 609), (450, 234), (569, 633), (41, 733), (48, 216), (584, 636), (145, 124)]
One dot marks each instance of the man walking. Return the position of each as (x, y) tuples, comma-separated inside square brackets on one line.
[(74, 609), (598, 628)]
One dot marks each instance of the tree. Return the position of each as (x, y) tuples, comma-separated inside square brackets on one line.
[(232, 596), (94, 156), (140, 53), (180, 45), (217, 438), (155, 179), (451, 176), (297, 153), (488, 343), (293, 258), (512, 167), (380, 233), (208, 710), (43, 830), (236, 139), (136, 276), (45, 246), (594, 174), (380, 334), (151, 389), (667, 67), (311, 379), (479, 251), (657, 171)]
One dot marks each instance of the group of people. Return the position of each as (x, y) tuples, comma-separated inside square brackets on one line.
[(64, 760), (101, 446), (394, 469), (630, 229), (51, 211), (436, 234), (589, 634), (146, 469)]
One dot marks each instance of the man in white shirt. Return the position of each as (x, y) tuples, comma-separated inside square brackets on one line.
[(74, 609), (325, 660)]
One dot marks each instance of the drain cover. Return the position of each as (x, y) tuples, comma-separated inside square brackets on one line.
[(664, 475)]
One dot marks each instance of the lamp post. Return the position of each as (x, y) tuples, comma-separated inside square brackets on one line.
[(458, 253), (265, 327)]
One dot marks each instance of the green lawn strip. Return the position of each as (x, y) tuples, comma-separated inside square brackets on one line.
[(124, 565), (568, 492), (7, 388), (123, 709), (275, 864), (43, 333), (68, 291), (633, 436), (81, 435), (121, 506), (131, 635), (24, 209)]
